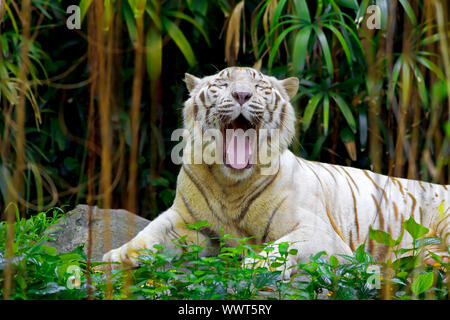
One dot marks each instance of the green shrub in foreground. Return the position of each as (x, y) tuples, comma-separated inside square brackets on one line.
[(39, 272)]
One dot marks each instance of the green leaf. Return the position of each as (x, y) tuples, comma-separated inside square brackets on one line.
[(198, 225), (160, 182), (362, 11), (309, 110), (427, 241), (283, 248), (346, 111), (178, 37), (302, 10), (325, 49), (181, 15), (400, 237), (346, 135), (326, 113), (167, 196), (356, 38), (318, 146), (423, 92), (11, 16), (277, 13), (138, 7), (300, 48), (51, 288), (436, 257), (318, 255), (406, 263), (130, 21), (381, 236), (108, 12), (422, 283), (277, 44), (352, 4), (414, 229), (276, 264), (409, 11), (394, 79), (49, 249), (433, 67), (438, 91), (154, 14), (153, 48), (382, 4), (341, 39), (334, 261), (361, 255)]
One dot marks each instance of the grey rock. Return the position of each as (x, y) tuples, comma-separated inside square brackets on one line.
[(73, 230)]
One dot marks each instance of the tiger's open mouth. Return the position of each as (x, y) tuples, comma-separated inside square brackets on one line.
[(239, 143)]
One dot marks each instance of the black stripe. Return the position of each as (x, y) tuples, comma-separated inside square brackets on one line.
[(202, 191), (195, 111), (326, 169), (188, 208), (202, 97), (277, 98), (270, 115), (207, 116), (274, 211), (255, 196), (350, 176), (210, 234), (283, 113)]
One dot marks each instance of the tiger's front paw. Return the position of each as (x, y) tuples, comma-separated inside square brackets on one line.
[(112, 256), (121, 257)]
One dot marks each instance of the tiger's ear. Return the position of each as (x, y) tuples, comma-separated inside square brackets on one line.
[(290, 85), (191, 81)]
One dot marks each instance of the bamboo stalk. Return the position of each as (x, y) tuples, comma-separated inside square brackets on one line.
[(20, 113)]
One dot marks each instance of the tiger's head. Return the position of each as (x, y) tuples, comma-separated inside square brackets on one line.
[(241, 98)]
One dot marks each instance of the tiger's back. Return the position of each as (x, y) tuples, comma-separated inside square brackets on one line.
[(354, 200)]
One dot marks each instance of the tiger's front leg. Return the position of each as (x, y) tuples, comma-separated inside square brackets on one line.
[(167, 226)]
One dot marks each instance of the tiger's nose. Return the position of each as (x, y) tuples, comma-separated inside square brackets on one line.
[(241, 96)]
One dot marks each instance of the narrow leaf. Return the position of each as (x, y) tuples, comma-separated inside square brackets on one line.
[(325, 49), (153, 48), (300, 49), (178, 37), (183, 16), (302, 10), (326, 113), (346, 111), (409, 11), (341, 39), (309, 110)]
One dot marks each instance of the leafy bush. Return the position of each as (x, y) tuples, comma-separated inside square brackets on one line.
[(39, 272)]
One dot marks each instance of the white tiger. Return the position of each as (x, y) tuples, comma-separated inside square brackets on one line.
[(314, 206)]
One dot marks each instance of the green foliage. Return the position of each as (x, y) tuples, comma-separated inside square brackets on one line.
[(39, 272), (345, 70), (407, 273)]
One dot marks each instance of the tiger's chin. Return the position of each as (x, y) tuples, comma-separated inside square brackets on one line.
[(237, 175)]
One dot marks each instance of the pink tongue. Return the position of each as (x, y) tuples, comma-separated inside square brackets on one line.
[(238, 150)]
